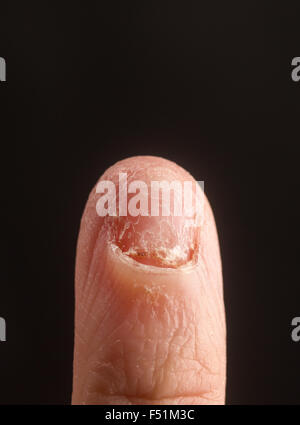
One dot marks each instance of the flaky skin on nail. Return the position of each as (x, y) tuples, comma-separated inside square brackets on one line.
[(170, 241), (149, 314)]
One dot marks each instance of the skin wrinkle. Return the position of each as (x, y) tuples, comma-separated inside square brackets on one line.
[(171, 345), (94, 275), (92, 234), (145, 396), (87, 287), (155, 355), (90, 352), (182, 320), (187, 399)]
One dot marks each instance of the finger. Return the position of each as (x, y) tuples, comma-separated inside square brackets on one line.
[(149, 314)]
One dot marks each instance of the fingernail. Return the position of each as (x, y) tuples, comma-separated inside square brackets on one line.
[(151, 211)]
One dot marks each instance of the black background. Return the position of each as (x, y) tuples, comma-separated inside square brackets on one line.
[(206, 84)]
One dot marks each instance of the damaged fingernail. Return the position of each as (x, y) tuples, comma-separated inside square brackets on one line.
[(152, 213)]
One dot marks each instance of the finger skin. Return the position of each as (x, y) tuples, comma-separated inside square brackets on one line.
[(147, 332)]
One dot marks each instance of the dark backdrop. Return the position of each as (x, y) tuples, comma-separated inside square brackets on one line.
[(206, 84)]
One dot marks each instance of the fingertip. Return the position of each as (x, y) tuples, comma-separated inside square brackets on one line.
[(143, 282)]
